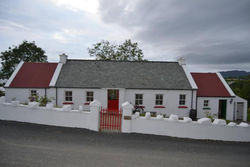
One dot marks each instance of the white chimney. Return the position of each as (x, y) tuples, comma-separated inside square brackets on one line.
[(63, 58), (181, 61)]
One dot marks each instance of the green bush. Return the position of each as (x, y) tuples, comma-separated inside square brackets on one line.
[(2, 93), (209, 115), (43, 101)]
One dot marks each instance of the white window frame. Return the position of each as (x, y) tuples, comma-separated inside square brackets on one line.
[(88, 97), (159, 98), (206, 103), (182, 99), (139, 101), (68, 96)]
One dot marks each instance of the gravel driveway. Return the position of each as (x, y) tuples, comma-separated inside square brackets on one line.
[(23, 144)]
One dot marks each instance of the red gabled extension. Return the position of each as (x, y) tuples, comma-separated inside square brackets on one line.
[(34, 75), (210, 85)]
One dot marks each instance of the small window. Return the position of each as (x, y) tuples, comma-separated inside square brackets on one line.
[(138, 99), (182, 99), (89, 96), (33, 93), (159, 99), (68, 96), (206, 103)]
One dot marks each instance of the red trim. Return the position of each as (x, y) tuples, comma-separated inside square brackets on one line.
[(86, 103), (182, 107), (68, 103), (159, 107), (140, 106)]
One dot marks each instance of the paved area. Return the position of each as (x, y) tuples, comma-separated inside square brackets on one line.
[(33, 145)]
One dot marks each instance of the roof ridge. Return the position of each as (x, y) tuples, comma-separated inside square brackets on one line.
[(126, 61)]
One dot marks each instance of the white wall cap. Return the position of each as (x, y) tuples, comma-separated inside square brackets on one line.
[(49, 106), (206, 121), (173, 117), (243, 124), (147, 115), (66, 107), (127, 105), (13, 75), (220, 122), (187, 119), (33, 105), (95, 103), (231, 124), (159, 117)]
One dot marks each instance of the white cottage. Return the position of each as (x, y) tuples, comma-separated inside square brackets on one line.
[(215, 98), (157, 87)]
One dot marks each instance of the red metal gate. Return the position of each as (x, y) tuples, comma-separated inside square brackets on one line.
[(110, 120)]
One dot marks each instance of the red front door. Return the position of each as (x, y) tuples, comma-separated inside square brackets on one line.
[(113, 99)]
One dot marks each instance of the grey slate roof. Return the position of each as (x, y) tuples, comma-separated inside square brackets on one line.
[(122, 74)]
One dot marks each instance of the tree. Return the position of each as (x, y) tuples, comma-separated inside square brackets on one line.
[(26, 51), (128, 51)]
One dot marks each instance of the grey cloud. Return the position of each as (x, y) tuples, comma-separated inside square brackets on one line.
[(206, 31)]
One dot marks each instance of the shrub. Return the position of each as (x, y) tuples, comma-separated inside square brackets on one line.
[(43, 101), (209, 115), (2, 93)]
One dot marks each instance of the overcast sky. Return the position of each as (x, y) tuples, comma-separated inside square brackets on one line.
[(210, 34)]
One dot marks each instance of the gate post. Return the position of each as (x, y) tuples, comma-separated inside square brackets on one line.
[(126, 117), (95, 108)]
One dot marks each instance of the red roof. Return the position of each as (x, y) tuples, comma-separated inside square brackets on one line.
[(210, 85), (34, 75)]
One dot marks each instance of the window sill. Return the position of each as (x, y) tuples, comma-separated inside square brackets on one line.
[(159, 107), (86, 103), (182, 107), (68, 103), (138, 106), (206, 108)]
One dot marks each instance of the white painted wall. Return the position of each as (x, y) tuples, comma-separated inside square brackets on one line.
[(23, 94), (214, 107), (170, 101), (192, 130), (79, 97), (55, 116), (170, 98)]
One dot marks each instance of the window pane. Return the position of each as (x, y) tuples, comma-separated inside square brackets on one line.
[(89, 96), (138, 99), (159, 99), (182, 99), (33, 93), (68, 96)]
